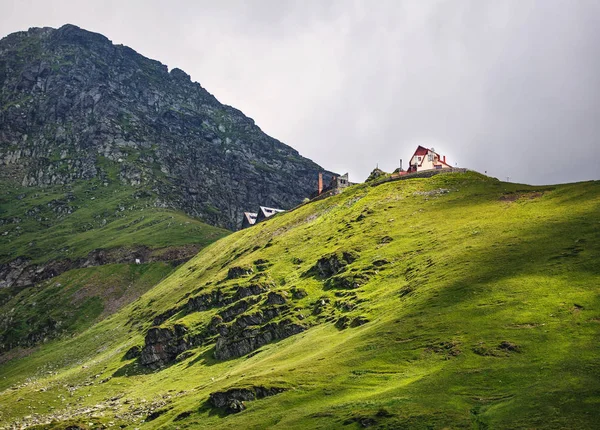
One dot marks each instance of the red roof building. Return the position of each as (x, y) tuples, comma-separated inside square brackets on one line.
[(427, 159)]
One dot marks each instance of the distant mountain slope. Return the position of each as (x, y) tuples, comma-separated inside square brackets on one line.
[(68, 254), (73, 106), (456, 301)]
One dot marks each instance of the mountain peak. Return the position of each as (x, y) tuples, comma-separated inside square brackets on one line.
[(180, 74), (73, 106), (75, 34)]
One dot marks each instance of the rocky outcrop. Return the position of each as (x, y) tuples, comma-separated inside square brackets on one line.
[(375, 174), (163, 345), (332, 264), (73, 106), (233, 399), (238, 326), (249, 290), (239, 343), (203, 302), (347, 321), (228, 314), (346, 281), (215, 299), (20, 272), (238, 272), (275, 299), (219, 298)]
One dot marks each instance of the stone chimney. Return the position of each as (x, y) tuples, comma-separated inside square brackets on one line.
[(320, 182)]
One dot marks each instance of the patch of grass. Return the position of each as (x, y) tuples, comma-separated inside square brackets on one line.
[(261, 167)]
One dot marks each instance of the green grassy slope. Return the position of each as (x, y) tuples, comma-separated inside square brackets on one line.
[(71, 302), (67, 222), (467, 303), (64, 223)]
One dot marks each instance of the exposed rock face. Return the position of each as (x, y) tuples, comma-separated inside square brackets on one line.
[(239, 343), (376, 173), (238, 272), (250, 290), (163, 345), (275, 299), (21, 273), (332, 264), (203, 302), (218, 299), (233, 398), (238, 328), (239, 307), (74, 106)]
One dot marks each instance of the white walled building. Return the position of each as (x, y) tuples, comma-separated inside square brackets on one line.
[(427, 159)]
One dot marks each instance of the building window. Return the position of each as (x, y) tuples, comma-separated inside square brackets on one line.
[(430, 157), (418, 158)]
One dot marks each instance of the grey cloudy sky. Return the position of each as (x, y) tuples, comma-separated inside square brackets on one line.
[(510, 87)]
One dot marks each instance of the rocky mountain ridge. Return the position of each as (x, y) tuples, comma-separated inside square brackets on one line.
[(74, 106)]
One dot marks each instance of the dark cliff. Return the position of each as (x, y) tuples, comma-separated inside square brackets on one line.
[(73, 106)]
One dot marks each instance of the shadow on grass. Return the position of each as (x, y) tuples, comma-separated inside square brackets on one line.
[(212, 411), (207, 358), (132, 369)]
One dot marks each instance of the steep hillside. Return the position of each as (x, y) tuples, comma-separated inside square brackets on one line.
[(91, 231), (108, 159), (73, 106), (68, 255), (456, 301), (69, 222)]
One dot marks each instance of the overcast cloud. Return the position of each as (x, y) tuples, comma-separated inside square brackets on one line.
[(508, 87)]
